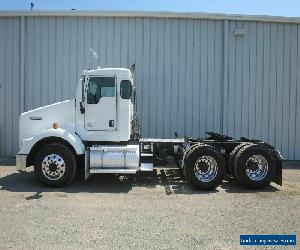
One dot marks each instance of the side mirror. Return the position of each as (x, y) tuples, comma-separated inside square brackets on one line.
[(126, 89)]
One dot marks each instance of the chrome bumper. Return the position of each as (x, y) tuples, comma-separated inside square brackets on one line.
[(21, 162)]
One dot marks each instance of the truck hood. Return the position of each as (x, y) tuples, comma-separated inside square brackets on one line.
[(35, 121)]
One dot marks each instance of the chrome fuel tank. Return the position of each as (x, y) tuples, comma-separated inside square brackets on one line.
[(114, 156)]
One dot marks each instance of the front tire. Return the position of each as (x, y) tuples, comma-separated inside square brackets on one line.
[(204, 167), (55, 165)]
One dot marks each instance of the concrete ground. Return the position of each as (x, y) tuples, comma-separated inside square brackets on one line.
[(159, 212)]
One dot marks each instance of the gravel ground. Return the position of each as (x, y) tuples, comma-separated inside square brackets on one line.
[(158, 212)]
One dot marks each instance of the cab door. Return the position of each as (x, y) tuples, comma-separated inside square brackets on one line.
[(100, 104)]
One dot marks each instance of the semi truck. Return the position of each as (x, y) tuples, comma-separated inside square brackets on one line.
[(99, 131)]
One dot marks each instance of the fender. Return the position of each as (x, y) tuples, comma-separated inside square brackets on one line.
[(67, 135)]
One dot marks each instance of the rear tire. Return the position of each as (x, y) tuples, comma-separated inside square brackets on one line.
[(233, 154), (55, 165), (204, 167), (254, 167), (192, 149)]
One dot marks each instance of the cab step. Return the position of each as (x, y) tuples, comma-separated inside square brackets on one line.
[(147, 157), (146, 167), (112, 171)]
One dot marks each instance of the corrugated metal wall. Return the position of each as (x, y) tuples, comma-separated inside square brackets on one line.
[(9, 84), (193, 75), (262, 93)]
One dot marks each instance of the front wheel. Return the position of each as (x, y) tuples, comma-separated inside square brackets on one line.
[(55, 165), (204, 167)]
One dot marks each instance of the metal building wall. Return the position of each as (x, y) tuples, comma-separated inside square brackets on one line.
[(173, 79), (193, 75), (262, 91), (9, 84)]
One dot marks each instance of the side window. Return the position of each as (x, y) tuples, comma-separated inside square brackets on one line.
[(99, 87), (125, 89)]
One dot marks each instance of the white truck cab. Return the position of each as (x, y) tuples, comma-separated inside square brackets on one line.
[(104, 105), (99, 130), (101, 111)]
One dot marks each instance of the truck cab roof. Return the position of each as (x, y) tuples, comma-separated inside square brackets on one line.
[(119, 72)]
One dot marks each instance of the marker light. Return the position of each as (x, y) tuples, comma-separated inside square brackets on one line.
[(55, 125)]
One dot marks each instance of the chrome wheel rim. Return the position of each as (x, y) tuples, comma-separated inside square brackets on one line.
[(257, 167), (53, 167), (206, 168)]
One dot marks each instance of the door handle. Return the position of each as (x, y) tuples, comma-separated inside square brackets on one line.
[(111, 123)]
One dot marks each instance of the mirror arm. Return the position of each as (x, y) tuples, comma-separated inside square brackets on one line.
[(82, 109)]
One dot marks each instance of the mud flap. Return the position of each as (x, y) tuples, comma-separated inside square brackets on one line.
[(87, 164), (278, 164)]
